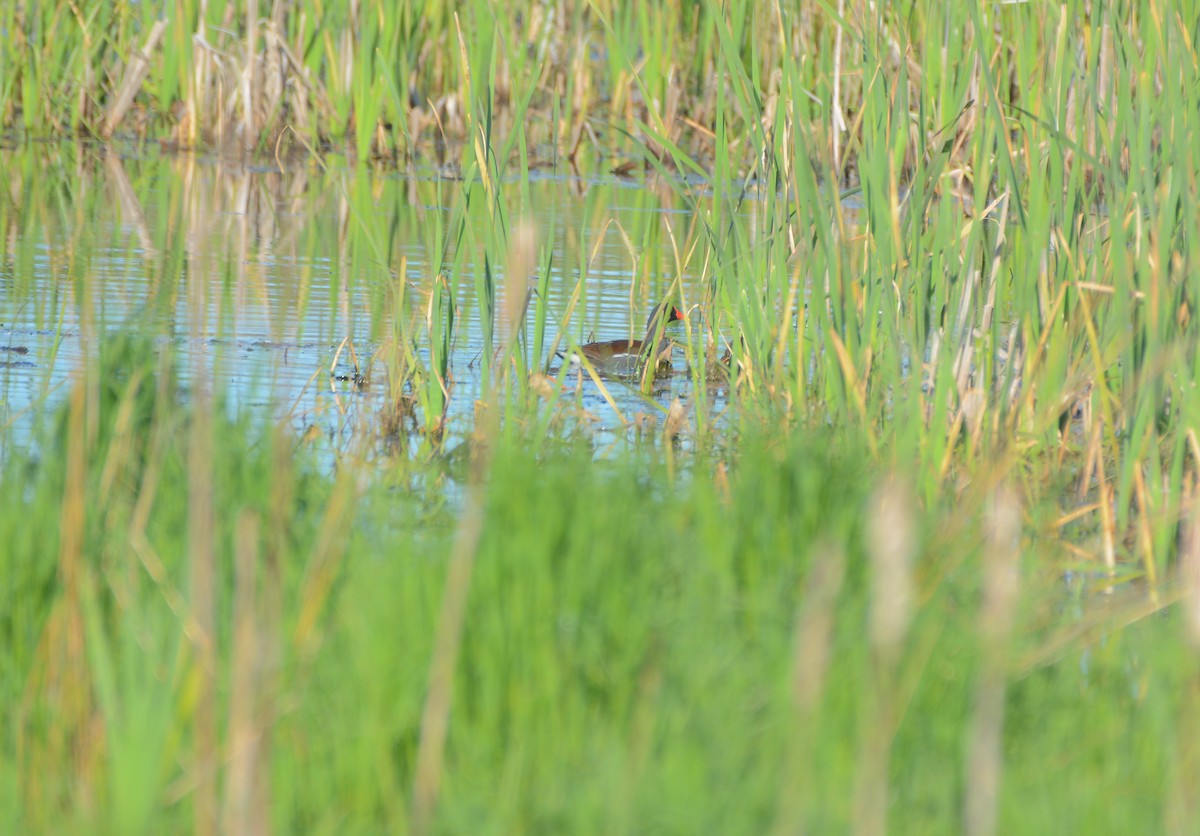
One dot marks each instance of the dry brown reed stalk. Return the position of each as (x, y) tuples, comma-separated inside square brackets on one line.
[(1091, 460), (518, 288), (721, 483), (1000, 581), (856, 386), (273, 63), (1145, 538), (892, 545), (444, 381), (811, 649), (837, 124), (674, 424), (250, 82), (675, 421), (244, 812), (202, 563), (135, 73), (187, 132), (1108, 524), (276, 547)]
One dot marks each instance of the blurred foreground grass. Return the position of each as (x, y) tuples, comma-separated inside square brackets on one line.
[(773, 640)]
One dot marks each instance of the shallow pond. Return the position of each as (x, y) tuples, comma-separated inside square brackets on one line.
[(271, 285)]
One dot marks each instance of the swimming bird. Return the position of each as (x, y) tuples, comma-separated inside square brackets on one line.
[(627, 357)]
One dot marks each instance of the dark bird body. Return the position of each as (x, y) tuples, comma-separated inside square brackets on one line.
[(627, 357)]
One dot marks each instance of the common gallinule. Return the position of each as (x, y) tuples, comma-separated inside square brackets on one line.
[(626, 357)]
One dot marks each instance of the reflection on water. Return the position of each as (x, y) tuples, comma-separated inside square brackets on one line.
[(257, 278)]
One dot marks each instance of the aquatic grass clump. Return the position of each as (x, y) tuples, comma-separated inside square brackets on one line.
[(692, 85)]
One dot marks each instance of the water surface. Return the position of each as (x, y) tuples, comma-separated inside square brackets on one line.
[(268, 285)]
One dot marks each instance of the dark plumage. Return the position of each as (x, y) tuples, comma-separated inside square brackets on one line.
[(626, 357)]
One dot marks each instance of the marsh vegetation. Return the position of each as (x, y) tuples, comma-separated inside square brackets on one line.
[(307, 525)]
